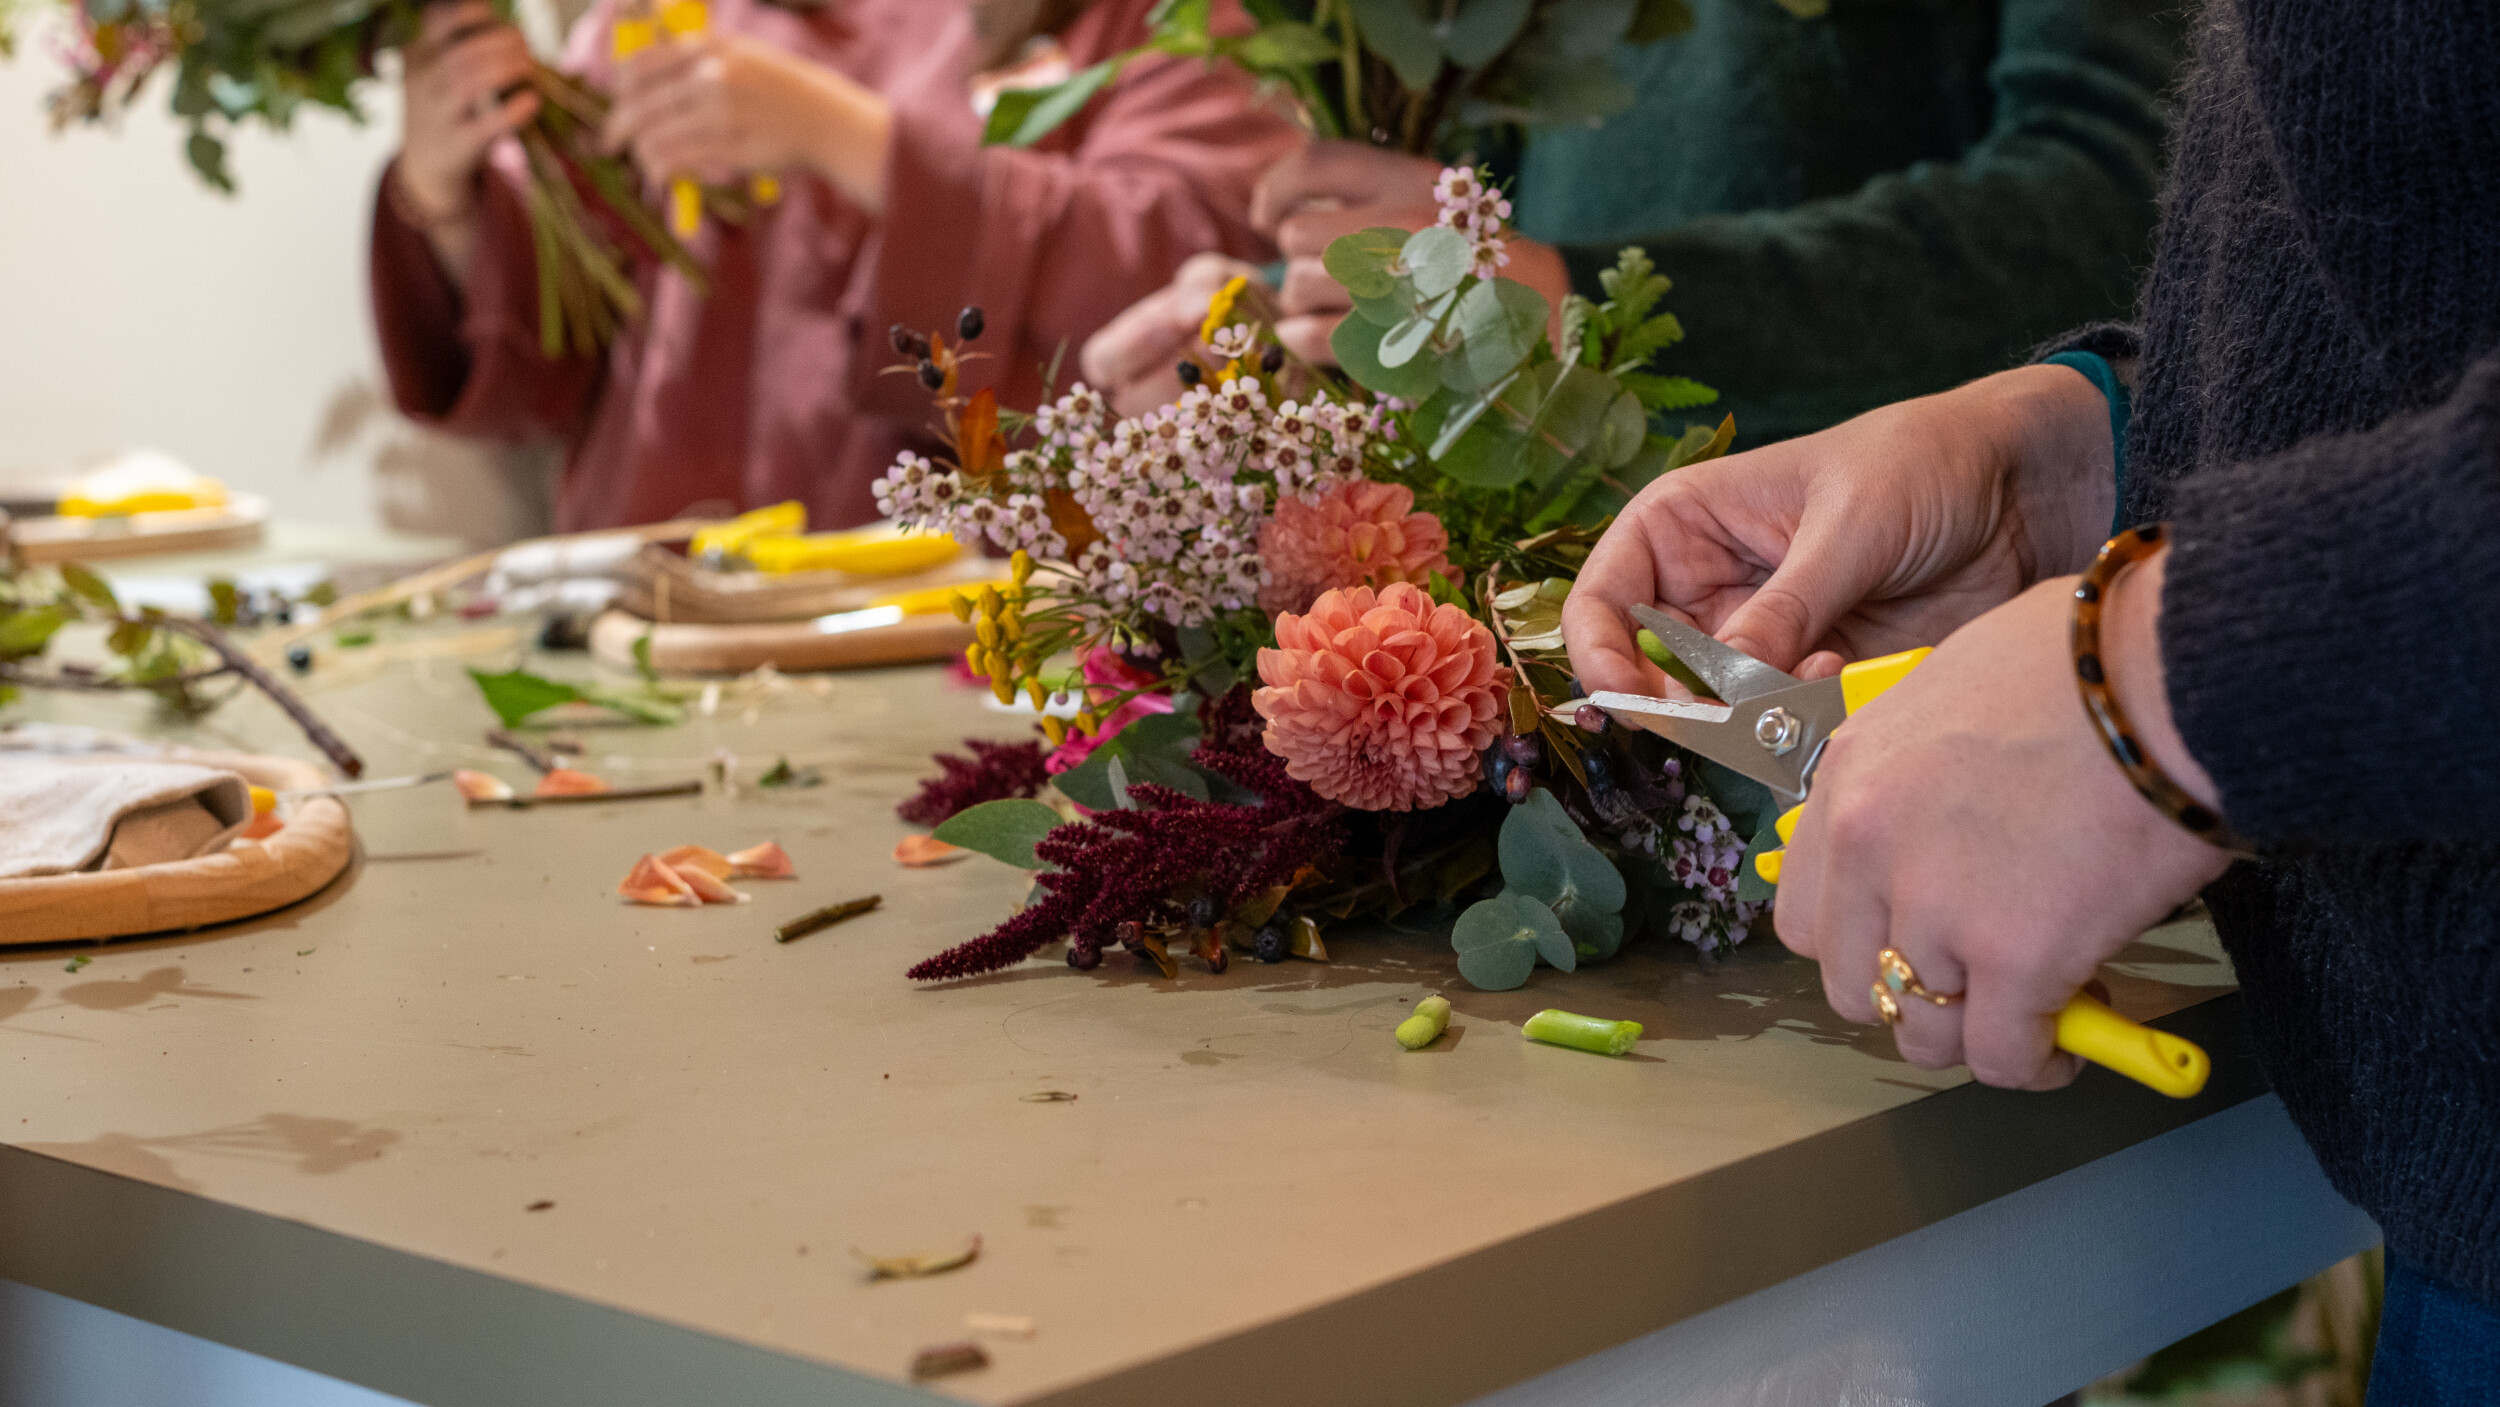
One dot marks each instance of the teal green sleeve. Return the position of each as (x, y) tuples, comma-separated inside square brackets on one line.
[(1928, 276), (2097, 370)]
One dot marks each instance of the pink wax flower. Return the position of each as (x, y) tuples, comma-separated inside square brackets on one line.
[(1381, 699), (1107, 676), (1358, 534)]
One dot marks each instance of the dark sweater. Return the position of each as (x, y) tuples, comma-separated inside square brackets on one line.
[(1885, 201), (2318, 412)]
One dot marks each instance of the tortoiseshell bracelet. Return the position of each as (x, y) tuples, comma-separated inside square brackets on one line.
[(2099, 700)]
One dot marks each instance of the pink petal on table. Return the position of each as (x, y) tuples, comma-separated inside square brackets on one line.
[(765, 861), (700, 858), (919, 852), (564, 781), (481, 786), (653, 882)]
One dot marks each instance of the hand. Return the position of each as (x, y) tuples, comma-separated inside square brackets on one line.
[(718, 106), (1972, 819), (1330, 189), (1134, 359), (463, 87), (1889, 531)]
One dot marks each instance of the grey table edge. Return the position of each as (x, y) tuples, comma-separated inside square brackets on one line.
[(1969, 1202)]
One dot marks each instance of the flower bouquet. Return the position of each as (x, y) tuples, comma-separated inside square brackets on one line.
[(1319, 672), (235, 61), (1397, 73)]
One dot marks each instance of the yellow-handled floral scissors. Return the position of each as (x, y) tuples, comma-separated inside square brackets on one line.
[(1771, 726)]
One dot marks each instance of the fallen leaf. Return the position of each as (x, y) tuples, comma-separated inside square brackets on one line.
[(481, 786), (919, 852), (925, 1263), (948, 1358), (697, 857), (564, 781), (653, 882), (1006, 1326), (765, 861)]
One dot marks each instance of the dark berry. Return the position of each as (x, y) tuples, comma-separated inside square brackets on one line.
[(1204, 911), (908, 343), (1590, 717), (968, 324), (1132, 936), (1601, 772), (565, 630), (930, 376), (1084, 956), (1272, 944), (1190, 374), (299, 658), (1272, 360), (285, 613), (1518, 784), (1497, 773), (1578, 690), (1523, 748)]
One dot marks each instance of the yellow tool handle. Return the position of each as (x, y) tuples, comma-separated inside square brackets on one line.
[(630, 37), (2162, 1062)]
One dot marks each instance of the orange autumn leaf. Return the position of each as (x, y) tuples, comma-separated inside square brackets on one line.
[(653, 882), (919, 852), (698, 858), (978, 447), (564, 781), (481, 786), (765, 861)]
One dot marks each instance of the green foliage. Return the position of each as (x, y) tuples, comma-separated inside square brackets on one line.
[(1562, 901), (1153, 749), (518, 695), (1002, 830)]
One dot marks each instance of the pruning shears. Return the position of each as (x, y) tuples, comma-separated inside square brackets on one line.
[(679, 19), (1772, 726)]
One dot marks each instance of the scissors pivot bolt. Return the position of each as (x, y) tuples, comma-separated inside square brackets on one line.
[(1778, 731)]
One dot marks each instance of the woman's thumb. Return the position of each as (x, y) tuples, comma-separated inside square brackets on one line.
[(1824, 576)]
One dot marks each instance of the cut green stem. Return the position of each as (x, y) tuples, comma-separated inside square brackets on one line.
[(1590, 1033)]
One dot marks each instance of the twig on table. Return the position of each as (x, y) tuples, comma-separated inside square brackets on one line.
[(524, 803), (826, 917), (331, 744)]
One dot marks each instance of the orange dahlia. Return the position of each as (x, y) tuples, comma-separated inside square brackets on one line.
[(1381, 699), (1358, 534)]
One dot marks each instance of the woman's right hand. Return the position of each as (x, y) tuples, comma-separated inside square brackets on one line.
[(464, 86), (1886, 532)]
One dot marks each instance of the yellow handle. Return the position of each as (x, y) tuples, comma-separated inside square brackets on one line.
[(2157, 1060), (2162, 1062), (630, 37)]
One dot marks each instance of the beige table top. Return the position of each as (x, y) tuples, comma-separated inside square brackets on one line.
[(1255, 1197)]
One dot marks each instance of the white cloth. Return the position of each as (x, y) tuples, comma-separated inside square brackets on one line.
[(61, 816)]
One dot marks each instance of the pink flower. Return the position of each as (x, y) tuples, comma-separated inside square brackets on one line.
[(1381, 700), (1107, 676), (1358, 534)]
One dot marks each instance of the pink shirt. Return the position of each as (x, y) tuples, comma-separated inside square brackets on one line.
[(768, 388)]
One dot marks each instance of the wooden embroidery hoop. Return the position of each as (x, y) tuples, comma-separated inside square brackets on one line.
[(244, 880)]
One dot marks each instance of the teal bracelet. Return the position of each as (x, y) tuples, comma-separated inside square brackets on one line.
[(2097, 370)]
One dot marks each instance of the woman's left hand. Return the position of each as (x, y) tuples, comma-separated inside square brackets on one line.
[(718, 106), (1972, 819)]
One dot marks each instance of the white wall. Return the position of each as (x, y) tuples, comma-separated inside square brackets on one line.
[(139, 307)]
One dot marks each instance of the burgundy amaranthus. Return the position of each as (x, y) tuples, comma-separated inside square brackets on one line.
[(994, 772), (1123, 866)]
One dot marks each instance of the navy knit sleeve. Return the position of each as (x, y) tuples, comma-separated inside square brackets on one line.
[(2331, 629)]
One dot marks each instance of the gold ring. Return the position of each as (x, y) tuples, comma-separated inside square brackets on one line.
[(1901, 979), (1886, 1005)]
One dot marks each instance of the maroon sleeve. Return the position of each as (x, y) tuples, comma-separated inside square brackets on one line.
[(470, 363), (1052, 242)]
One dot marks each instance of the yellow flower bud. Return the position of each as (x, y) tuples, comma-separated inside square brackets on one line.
[(989, 600), (1087, 723), (1012, 627), (1002, 688), (961, 605), (1054, 730), (1033, 690), (975, 657), (1020, 564), (985, 630)]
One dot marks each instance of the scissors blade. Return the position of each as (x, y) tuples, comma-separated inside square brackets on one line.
[(1775, 753), (1731, 674)]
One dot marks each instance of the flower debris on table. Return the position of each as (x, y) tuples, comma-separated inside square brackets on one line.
[(912, 1267), (691, 876)]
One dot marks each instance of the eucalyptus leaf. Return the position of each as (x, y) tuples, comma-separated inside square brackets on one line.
[(1399, 344), (1751, 887), (1366, 260), (1152, 749), (1622, 432), (1397, 32), (1002, 830), (1482, 29), (1437, 258), (1463, 413), (1356, 345), (1499, 322), (1499, 940)]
